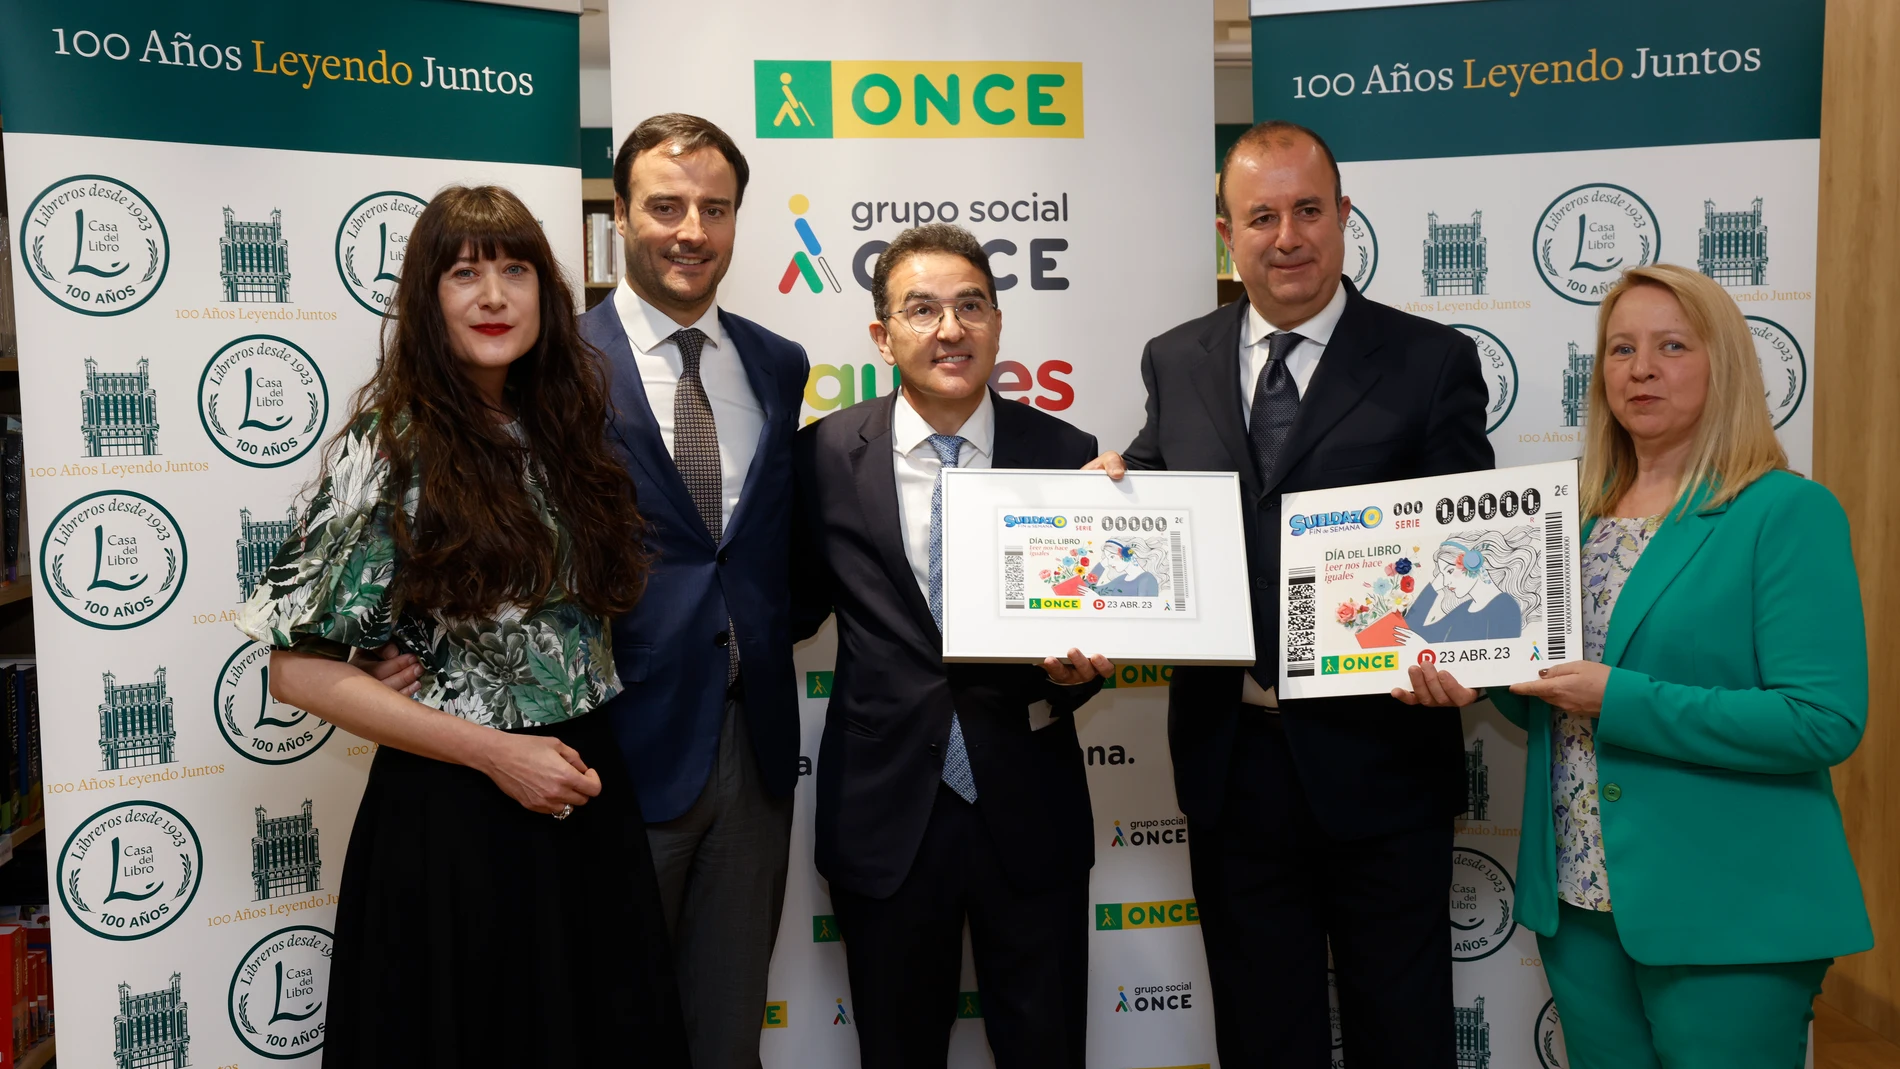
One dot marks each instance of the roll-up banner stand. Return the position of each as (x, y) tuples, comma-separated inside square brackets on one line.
[(209, 209), (1507, 160)]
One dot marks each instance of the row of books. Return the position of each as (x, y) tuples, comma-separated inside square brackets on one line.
[(12, 496), (605, 256), (26, 943), (9, 340), (21, 797)]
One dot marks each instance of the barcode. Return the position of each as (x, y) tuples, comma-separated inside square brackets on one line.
[(1178, 553), (1301, 588), (1013, 578), (1557, 557)]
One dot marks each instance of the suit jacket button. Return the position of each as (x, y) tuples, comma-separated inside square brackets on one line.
[(722, 638), (722, 556), (934, 747), (1611, 792)]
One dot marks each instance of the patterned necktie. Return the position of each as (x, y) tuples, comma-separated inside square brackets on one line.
[(696, 455), (1276, 400), (956, 757)]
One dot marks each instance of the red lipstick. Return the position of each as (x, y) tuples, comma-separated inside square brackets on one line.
[(493, 330)]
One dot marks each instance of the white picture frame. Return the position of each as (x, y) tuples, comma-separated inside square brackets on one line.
[(1128, 610)]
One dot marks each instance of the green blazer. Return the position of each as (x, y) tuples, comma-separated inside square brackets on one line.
[(1738, 677)]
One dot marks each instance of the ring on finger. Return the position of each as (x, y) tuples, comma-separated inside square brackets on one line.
[(566, 812)]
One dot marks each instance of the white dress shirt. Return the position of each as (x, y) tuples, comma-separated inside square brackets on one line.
[(916, 465), (1301, 362), (1255, 354), (738, 418)]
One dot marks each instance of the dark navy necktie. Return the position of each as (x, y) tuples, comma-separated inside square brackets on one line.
[(1276, 401)]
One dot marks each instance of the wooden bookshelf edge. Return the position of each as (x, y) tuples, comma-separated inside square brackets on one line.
[(39, 1056), (26, 832), (9, 363), (16, 590)]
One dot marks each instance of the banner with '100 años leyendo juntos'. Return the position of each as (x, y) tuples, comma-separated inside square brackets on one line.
[(209, 206), (1507, 161)]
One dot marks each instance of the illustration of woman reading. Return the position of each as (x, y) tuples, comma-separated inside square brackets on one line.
[(1130, 579), (1484, 586)]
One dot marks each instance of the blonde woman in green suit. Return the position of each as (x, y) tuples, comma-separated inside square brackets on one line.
[(1682, 859)]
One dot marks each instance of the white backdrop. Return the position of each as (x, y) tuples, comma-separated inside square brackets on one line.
[(1129, 238)]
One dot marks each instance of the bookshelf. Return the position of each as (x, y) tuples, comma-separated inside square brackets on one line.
[(597, 196), (39, 1057)]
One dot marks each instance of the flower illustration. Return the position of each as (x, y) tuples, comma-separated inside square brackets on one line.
[(1406, 583), (1346, 612), (1381, 586), (1403, 566), (1391, 569)]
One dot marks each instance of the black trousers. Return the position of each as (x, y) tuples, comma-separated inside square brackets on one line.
[(905, 955), (1274, 890)]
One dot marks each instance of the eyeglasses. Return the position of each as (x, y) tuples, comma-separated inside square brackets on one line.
[(924, 316)]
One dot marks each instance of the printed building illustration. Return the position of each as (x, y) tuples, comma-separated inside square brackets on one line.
[(284, 858), (135, 724), (1577, 387), (1454, 256), (1474, 1036), (118, 412), (254, 260), (1733, 246), (1477, 782), (258, 541), (150, 1031)]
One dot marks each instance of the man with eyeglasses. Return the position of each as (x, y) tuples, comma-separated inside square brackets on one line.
[(946, 792)]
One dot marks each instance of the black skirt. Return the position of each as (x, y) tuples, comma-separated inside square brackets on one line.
[(472, 931)]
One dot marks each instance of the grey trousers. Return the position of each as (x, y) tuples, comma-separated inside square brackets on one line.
[(721, 867)]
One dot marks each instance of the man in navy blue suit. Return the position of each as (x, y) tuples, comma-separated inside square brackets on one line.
[(705, 408)]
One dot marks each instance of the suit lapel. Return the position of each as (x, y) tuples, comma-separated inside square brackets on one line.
[(1344, 375), (876, 476), (632, 418), (1668, 551), (763, 380), (1216, 374), (1012, 448)]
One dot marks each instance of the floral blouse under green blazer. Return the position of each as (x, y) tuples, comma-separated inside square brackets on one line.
[(328, 590), (1738, 677)]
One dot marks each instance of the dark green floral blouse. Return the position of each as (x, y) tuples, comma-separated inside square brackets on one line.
[(329, 590)]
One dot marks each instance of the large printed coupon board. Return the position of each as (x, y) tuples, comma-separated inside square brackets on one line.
[(1475, 573)]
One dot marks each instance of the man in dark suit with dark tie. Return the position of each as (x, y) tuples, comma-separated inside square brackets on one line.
[(946, 792), (1329, 820)]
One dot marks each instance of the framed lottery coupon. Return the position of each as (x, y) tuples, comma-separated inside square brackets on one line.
[(1476, 573), (1151, 568)]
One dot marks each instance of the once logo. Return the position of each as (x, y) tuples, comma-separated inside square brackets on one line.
[(263, 401), (1549, 1037), (279, 992), (370, 244), (114, 559), (95, 245), (255, 724), (1362, 249), (1589, 236), (1784, 367), (1500, 374), (129, 870), (1482, 900)]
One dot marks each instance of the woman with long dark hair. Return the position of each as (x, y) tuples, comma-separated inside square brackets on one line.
[(498, 903)]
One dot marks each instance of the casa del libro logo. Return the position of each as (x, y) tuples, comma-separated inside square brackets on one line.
[(129, 870), (94, 245), (263, 401), (255, 724), (1589, 236), (1784, 368), (113, 559), (370, 242), (1362, 249), (1500, 374), (1483, 905), (280, 990)]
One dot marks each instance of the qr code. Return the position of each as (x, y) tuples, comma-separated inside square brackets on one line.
[(1301, 621), (1013, 577)]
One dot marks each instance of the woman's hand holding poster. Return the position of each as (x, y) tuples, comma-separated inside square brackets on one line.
[(1476, 573)]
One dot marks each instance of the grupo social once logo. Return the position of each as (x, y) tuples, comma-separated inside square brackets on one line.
[(280, 990), (370, 243), (113, 559), (1500, 374), (95, 245), (1784, 368), (255, 724), (1589, 236), (129, 870), (262, 400), (1483, 901)]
